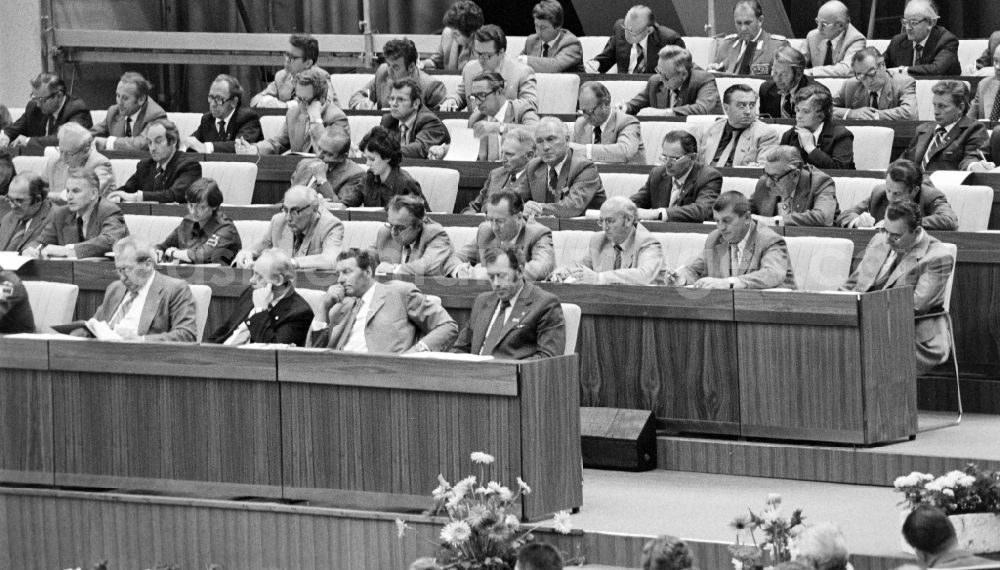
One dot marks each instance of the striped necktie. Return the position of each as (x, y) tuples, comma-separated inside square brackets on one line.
[(939, 134)]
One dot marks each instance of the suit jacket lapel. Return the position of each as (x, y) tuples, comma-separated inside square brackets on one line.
[(520, 308), (378, 299), (152, 304)]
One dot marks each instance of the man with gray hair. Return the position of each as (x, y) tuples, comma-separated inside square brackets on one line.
[(226, 120), (777, 95), (624, 253), (29, 214), (516, 149), (923, 47), (830, 47), (309, 234), (332, 173), (986, 104), (874, 93), (559, 182), (634, 39), (677, 89), (134, 108), (604, 134), (50, 107), (792, 193), (76, 150), (144, 304)]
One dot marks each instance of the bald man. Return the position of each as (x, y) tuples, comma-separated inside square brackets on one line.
[(635, 40), (923, 47), (830, 47), (559, 182)]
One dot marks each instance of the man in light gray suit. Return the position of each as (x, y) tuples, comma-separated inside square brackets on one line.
[(874, 93), (122, 127), (745, 136), (830, 47), (604, 134), (985, 104)]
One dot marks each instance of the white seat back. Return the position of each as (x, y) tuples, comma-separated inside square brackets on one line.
[(680, 248), (202, 299), (872, 147), (557, 92), (850, 190), (361, 234), (461, 235), (464, 145), (187, 123), (153, 229), (314, 297), (270, 125), (34, 164), (972, 205), (570, 245), (439, 185), (592, 46), (832, 83), (820, 263), (654, 131), (346, 84), (123, 169), (236, 180), (742, 185), (51, 303), (515, 45), (702, 49), (969, 51), (623, 91), (251, 231), (361, 125), (571, 316), (451, 82), (622, 183), (97, 116)]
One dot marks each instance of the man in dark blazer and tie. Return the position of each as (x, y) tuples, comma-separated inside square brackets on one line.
[(517, 320), (952, 141), (681, 189), (49, 108), (677, 89), (634, 43), (226, 120), (923, 47), (166, 175), (421, 132), (30, 212), (777, 95)]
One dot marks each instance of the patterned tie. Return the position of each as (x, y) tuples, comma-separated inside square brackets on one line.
[(828, 59), (493, 335), (674, 96), (158, 179), (743, 67), (545, 50), (553, 183), (873, 100), (402, 133), (640, 60), (675, 193), (128, 126), (734, 259), (123, 309), (918, 51), (297, 243), (79, 229), (995, 113), (222, 130), (598, 133), (618, 258), (786, 107), (939, 134)]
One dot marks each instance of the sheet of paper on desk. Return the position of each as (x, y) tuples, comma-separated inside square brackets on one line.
[(11, 261), (366, 209), (855, 293), (45, 336), (949, 177), (449, 356)]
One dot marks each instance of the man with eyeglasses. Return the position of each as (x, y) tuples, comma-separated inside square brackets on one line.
[(520, 86), (29, 214), (410, 243), (903, 254), (680, 189), (923, 47), (792, 193), (552, 48), (739, 254), (904, 182), (302, 54), (361, 314), (421, 132), (875, 94), (830, 47), (740, 138), (87, 226), (986, 104), (750, 50), (76, 150), (143, 304), (777, 94), (226, 120), (307, 233), (50, 107), (516, 149), (603, 134), (401, 59), (634, 39), (559, 182), (337, 178), (166, 175), (952, 141), (677, 89), (133, 110), (506, 227), (497, 114), (623, 253)]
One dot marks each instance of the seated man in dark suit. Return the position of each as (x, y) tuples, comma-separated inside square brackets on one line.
[(739, 254), (516, 320), (604, 134), (144, 304), (904, 182), (410, 243), (269, 310), (506, 227), (205, 235), (166, 175), (226, 120), (367, 316), (15, 309), (750, 50), (87, 226), (931, 534), (400, 63), (332, 173), (985, 104), (634, 39), (681, 189), (552, 48), (902, 254), (30, 211), (516, 149), (559, 182), (49, 108), (777, 94), (792, 193), (133, 111), (677, 89), (820, 141), (874, 93), (923, 47), (421, 132), (952, 141)]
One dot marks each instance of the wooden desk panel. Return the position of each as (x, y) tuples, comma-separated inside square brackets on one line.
[(25, 413)]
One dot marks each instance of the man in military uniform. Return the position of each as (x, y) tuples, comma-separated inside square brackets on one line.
[(15, 311), (750, 50)]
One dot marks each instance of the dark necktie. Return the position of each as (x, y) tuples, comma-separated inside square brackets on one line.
[(50, 125), (402, 133), (80, 234), (618, 258), (743, 68), (511, 181), (640, 60), (545, 50), (873, 100), (918, 52), (128, 126), (598, 133), (222, 130), (296, 243), (787, 112), (727, 135), (939, 134), (995, 113), (496, 327), (15, 240), (735, 141), (158, 179), (674, 95), (553, 183), (828, 60)]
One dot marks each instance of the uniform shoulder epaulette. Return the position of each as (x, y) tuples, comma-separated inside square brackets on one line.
[(728, 37), (778, 37), (6, 289)]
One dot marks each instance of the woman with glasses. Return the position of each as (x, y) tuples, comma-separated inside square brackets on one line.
[(385, 179), (205, 235), (923, 47)]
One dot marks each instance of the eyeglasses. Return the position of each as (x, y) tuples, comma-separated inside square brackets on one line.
[(16, 201), (604, 222), (635, 33), (870, 74), (912, 23), (482, 94), (292, 57), (593, 111), (40, 100), (891, 236), (824, 25), (498, 221), (671, 160), (294, 211), (775, 179), (397, 229), (122, 269), (212, 99)]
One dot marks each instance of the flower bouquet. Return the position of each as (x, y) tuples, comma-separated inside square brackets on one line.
[(483, 531), (776, 531)]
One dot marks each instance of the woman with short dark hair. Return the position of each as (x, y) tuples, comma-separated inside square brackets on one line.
[(205, 235), (385, 178)]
